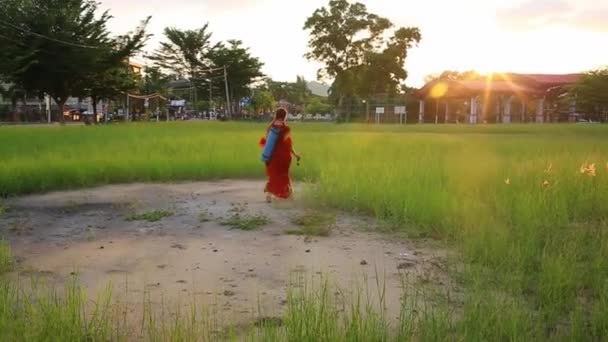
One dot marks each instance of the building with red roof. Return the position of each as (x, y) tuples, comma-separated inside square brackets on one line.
[(494, 97)]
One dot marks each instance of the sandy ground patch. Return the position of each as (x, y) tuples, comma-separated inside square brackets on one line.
[(190, 254)]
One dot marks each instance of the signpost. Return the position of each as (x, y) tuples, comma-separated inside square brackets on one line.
[(379, 111), (402, 112), (47, 102)]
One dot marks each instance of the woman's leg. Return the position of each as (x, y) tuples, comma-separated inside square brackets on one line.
[(268, 194)]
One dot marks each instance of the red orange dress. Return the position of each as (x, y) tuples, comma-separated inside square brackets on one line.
[(277, 169)]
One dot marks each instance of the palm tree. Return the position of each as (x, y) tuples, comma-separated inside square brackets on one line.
[(184, 54)]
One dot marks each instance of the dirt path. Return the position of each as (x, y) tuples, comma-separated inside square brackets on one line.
[(190, 253)]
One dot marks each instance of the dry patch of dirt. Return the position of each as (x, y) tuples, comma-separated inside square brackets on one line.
[(217, 242)]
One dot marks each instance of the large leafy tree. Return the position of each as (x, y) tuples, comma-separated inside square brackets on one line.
[(112, 75), (242, 68), (185, 54), (155, 81), (454, 75), (296, 93), (317, 105), (262, 101), (111, 83), (52, 46), (591, 93), (357, 49)]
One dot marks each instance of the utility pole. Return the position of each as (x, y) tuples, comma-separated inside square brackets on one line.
[(210, 96), (47, 101), (193, 85), (228, 110)]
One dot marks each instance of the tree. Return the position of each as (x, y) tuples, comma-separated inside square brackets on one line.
[(301, 93), (591, 93), (111, 83), (352, 44), (113, 76), (262, 101), (454, 75), (155, 81), (53, 46), (185, 54), (317, 106), (296, 93), (243, 69)]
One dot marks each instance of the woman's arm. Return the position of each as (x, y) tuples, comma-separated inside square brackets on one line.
[(295, 154)]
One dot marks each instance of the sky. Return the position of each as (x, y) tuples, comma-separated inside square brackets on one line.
[(529, 36)]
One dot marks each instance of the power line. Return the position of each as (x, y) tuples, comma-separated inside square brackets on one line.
[(22, 30)]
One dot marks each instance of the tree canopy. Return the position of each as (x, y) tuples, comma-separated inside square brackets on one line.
[(185, 53), (55, 47), (190, 54), (454, 75), (296, 93), (591, 92), (262, 101), (243, 69), (357, 49)]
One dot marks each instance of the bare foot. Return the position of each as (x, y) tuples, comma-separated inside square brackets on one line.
[(268, 198)]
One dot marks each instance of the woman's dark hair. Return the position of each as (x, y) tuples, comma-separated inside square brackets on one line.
[(280, 113)]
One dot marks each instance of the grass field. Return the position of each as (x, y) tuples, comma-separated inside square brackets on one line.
[(524, 207)]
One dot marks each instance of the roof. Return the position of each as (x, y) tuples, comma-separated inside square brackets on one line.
[(504, 83), (550, 80), (135, 63)]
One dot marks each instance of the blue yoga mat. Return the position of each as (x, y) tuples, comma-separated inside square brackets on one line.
[(271, 143)]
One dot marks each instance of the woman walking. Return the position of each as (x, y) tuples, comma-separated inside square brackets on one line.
[(278, 150)]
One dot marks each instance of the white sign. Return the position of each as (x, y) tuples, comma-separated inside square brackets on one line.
[(178, 103), (379, 110), (400, 110)]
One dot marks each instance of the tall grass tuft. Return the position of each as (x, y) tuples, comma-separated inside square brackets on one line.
[(6, 257), (43, 315)]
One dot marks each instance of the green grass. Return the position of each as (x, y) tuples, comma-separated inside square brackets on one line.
[(313, 224), (42, 314), (535, 256), (315, 311), (152, 216), (6, 257), (245, 221)]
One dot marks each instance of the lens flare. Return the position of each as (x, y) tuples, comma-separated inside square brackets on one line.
[(439, 90)]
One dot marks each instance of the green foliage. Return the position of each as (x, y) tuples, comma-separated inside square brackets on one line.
[(184, 53), (246, 222), (454, 75), (591, 92), (155, 81), (41, 314), (262, 101), (296, 93), (313, 224), (317, 106), (190, 54), (152, 216), (353, 45), (6, 257), (243, 68), (58, 47)]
